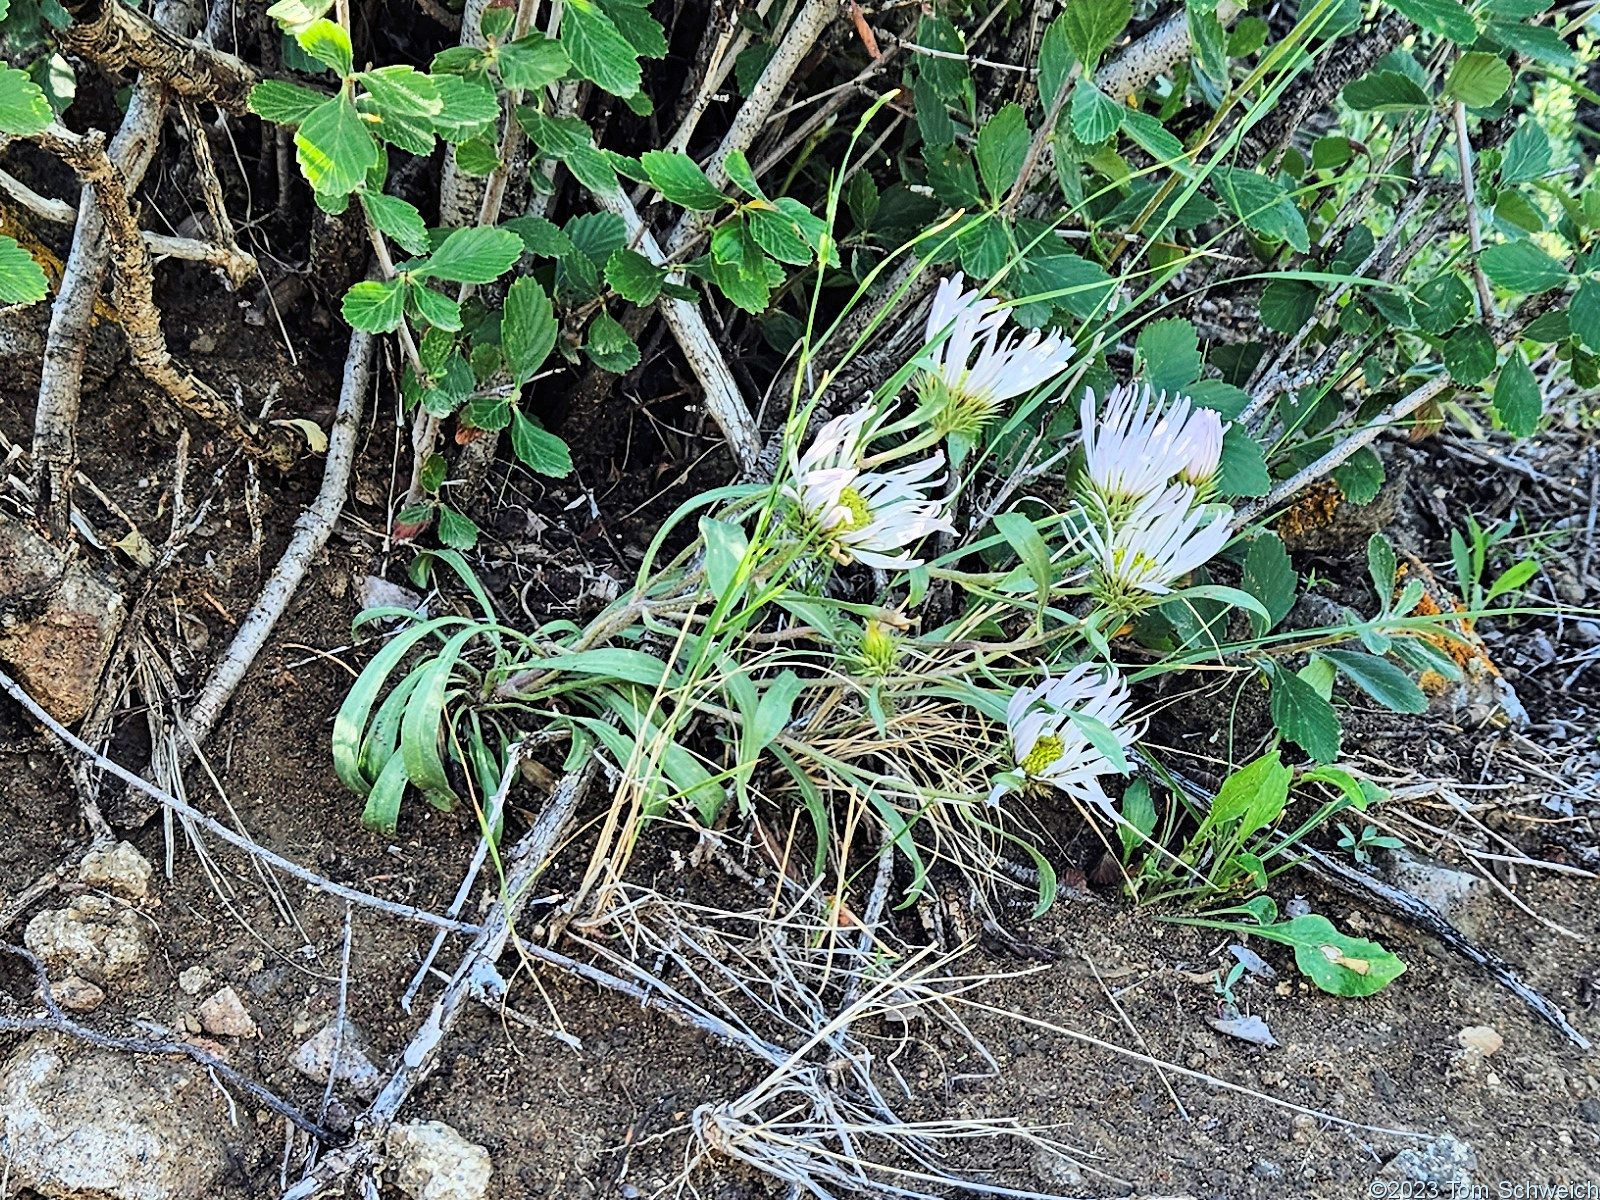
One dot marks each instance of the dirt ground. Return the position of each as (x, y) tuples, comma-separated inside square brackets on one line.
[(601, 1110)]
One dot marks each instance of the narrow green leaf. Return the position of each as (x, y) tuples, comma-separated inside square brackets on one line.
[(598, 50), (538, 448), (1382, 568), (1380, 679), (680, 179)]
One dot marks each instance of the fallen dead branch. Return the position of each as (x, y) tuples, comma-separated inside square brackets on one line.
[(117, 37)]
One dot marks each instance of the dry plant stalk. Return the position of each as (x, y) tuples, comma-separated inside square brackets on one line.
[(117, 37)]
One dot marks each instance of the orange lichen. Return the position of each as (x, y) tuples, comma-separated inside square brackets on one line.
[(1314, 509)]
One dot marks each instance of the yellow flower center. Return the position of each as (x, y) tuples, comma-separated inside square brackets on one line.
[(1045, 751), (860, 512)]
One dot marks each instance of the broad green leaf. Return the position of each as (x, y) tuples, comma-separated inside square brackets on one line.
[(473, 255), (1209, 42), (403, 91), (1089, 26), (477, 156), (527, 329), (1447, 18), (609, 347), (1517, 400), (1335, 962), (1332, 152), (1002, 147), (1380, 679), (1155, 140), (1304, 717), (644, 32), (1242, 470), (329, 44), (23, 107), (21, 279), (597, 48), (1254, 795), (1170, 352), (1584, 314), (435, 308), (487, 412), (1522, 267), (933, 121), (1056, 56), (375, 307), (296, 15), (456, 530), (397, 219), (1536, 41), (596, 235), (1287, 304), (538, 448), (777, 235), (1263, 205), (1270, 577), (1385, 91), (726, 546), (540, 237), (1360, 477), (681, 181), (737, 168), (1478, 79), (334, 148), (531, 62), (1095, 115), (466, 106), (634, 277), (1441, 304), (1469, 354), (285, 103)]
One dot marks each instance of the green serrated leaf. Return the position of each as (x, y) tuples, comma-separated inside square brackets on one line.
[(473, 255), (1287, 304), (478, 157), (285, 103), (1536, 41), (24, 110), (1360, 477), (295, 15), (598, 50), (1002, 146), (540, 237), (1584, 314), (1517, 400), (1380, 679), (1523, 268), (1095, 115), (737, 168), (644, 32), (490, 413), (634, 277), (1478, 79), (531, 62), (455, 530), (1170, 353), (329, 44), (777, 235), (1304, 717), (22, 281), (609, 347), (681, 181), (403, 92), (1263, 205), (1242, 470), (374, 306), (1270, 577), (398, 220), (1441, 304), (1469, 354), (1089, 26), (527, 329), (435, 308), (1447, 18), (466, 107), (538, 448), (335, 150)]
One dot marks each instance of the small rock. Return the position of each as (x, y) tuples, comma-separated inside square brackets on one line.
[(1265, 1168), (224, 1015), (120, 869), (1055, 1169), (203, 344), (194, 980), (1584, 633), (1250, 1029), (315, 1059), (1589, 1111), (58, 620), (1446, 1160), (76, 994), (94, 937), (1457, 896), (79, 1122), (1302, 1127), (376, 592), (1481, 1040), (431, 1161), (1298, 906)]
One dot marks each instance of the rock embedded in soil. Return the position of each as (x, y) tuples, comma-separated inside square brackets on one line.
[(94, 937), (431, 1161), (194, 980), (58, 620), (77, 995), (1445, 1161), (81, 1122), (1459, 897), (315, 1059), (224, 1015), (120, 869)]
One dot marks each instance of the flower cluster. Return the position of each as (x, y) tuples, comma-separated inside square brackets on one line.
[(963, 393), (1146, 469), (861, 515), (1050, 727)]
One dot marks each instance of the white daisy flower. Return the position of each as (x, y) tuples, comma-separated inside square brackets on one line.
[(968, 391), (868, 516), (1161, 540), (1049, 746), (1138, 445)]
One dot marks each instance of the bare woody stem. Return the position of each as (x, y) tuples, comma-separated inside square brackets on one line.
[(117, 37), (133, 291), (1469, 192)]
